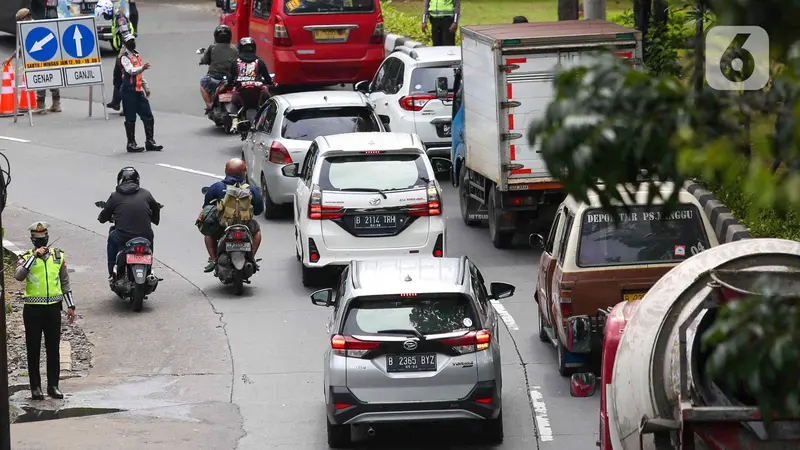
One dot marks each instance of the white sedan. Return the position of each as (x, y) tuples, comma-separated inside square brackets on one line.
[(284, 128)]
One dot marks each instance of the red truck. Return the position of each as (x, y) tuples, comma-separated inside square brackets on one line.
[(311, 43)]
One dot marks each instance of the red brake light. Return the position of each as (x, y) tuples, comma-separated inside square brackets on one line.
[(278, 154), (473, 341), (139, 249), (433, 207), (341, 405), (351, 347), (565, 300), (238, 235), (377, 32), (437, 253), (318, 212), (408, 295), (372, 152), (280, 34), (485, 401), (415, 102)]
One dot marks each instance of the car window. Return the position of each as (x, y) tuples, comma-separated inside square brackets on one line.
[(386, 172), (551, 238), (271, 114), (425, 313), (295, 7), (377, 82), (457, 100), (645, 235), (423, 79), (261, 8), (308, 169), (386, 80), (479, 288), (565, 236), (259, 120), (308, 124), (394, 77), (342, 287)]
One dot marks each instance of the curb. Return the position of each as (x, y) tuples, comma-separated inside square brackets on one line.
[(393, 41), (65, 352), (726, 226), (12, 248)]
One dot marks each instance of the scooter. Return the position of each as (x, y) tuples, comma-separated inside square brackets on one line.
[(136, 259), (222, 110)]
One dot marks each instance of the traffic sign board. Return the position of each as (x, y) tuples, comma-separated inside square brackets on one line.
[(41, 46), (77, 41), (44, 79)]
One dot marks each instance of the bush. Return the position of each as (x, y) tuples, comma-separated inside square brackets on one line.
[(409, 26)]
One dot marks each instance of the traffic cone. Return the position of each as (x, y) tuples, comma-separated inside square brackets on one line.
[(27, 100), (7, 93)]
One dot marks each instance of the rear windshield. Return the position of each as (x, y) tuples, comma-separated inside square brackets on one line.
[(423, 79), (293, 7), (641, 238), (384, 172), (308, 124), (427, 314)]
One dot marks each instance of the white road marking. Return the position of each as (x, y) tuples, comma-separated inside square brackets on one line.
[(540, 412), (8, 245), (8, 138), (196, 172), (504, 314)]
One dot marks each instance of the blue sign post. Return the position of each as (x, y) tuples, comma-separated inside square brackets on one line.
[(78, 41), (41, 44)]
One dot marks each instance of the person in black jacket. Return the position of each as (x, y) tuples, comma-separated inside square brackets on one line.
[(132, 209), (248, 70)]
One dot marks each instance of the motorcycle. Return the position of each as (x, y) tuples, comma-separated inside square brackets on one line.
[(222, 111), (139, 280), (235, 264), (251, 98)]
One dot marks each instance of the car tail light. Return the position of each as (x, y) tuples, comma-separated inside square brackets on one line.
[(351, 347), (415, 102), (138, 249), (318, 212), (565, 300), (377, 33), (278, 154), (280, 36), (313, 253), (473, 341), (433, 207), (408, 294), (485, 401), (438, 247), (341, 405), (520, 201)]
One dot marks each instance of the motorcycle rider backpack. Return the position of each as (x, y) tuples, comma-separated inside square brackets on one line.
[(236, 207)]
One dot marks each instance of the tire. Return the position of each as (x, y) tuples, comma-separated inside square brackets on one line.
[(500, 239), (339, 436), (272, 210), (311, 277), (238, 283), (138, 297), (542, 332), (466, 203), (562, 369), (493, 430)]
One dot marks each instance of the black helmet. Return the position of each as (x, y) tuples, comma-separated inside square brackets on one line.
[(128, 174), (247, 45), (223, 35)]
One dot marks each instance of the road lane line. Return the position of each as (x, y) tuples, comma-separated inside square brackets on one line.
[(504, 314), (196, 172), (540, 412), (8, 138)]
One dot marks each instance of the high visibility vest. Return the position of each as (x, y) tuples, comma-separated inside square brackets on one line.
[(441, 8), (43, 283), (116, 38), (132, 82)]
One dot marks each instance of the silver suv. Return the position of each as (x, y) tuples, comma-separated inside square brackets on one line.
[(412, 339)]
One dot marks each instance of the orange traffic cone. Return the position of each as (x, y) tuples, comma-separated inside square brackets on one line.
[(7, 93)]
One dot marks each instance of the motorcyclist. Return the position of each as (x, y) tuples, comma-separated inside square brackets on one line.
[(133, 209), (121, 26), (219, 58), (235, 171), (248, 70)]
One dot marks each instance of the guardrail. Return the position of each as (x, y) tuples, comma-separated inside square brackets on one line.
[(726, 226)]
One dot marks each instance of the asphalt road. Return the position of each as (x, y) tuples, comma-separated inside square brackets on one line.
[(249, 367)]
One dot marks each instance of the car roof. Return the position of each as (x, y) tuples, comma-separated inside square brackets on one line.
[(317, 99), (428, 56), (385, 141), (640, 196), (408, 275)]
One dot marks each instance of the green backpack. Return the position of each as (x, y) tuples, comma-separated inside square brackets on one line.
[(236, 207)]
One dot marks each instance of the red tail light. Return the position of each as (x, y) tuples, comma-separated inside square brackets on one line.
[(237, 235), (280, 37), (408, 295), (415, 102), (377, 33), (438, 247), (565, 300), (433, 207), (139, 249), (278, 154), (351, 347), (318, 212), (473, 341)]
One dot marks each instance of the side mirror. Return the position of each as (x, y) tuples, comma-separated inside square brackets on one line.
[(362, 86), (441, 88), (579, 334), (444, 163), (204, 190), (582, 384), (322, 297), (290, 170), (221, 4), (501, 290), (536, 241), (100, 204), (243, 126)]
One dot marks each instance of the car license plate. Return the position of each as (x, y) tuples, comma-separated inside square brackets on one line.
[(373, 222), (132, 258), (444, 130), (225, 97), (237, 247), (423, 362), (633, 296), (330, 35)]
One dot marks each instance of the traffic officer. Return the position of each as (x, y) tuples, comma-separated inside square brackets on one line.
[(47, 286), (120, 27), (444, 20), (135, 97)]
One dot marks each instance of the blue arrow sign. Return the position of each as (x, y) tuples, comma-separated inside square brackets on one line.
[(78, 41), (41, 44)]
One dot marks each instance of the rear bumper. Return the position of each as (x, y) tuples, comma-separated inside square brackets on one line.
[(289, 70), (465, 408)]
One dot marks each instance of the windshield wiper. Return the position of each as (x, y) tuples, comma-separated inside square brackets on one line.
[(365, 190), (403, 332)]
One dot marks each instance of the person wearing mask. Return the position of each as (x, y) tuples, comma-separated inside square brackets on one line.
[(135, 97), (235, 171), (247, 70), (133, 209), (120, 28), (443, 15), (218, 57), (47, 287)]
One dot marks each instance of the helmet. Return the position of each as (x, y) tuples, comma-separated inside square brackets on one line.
[(235, 166), (128, 174), (247, 45), (104, 8), (223, 35)]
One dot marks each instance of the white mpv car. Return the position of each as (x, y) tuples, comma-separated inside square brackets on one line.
[(365, 196)]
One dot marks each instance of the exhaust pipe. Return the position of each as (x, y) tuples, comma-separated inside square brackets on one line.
[(371, 432)]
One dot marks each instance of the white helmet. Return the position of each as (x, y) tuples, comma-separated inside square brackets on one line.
[(104, 8)]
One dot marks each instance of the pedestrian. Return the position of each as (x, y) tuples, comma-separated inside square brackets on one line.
[(135, 97), (444, 20), (120, 27), (25, 15), (47, 285)]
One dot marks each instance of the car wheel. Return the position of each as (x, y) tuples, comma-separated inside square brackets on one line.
[(272, 210), (493, 430), (542, 332), (562, 358), (339, 436), (500, 239)]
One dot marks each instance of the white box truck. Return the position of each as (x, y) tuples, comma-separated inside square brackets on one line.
[(505, 82)]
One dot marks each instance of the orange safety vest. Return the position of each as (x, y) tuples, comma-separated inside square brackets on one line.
[(130, 80)]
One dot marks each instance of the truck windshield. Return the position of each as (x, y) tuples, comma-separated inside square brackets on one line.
[(642, 237), (426, 314), (293, 7), (423, 79), (384, 172), (308, 124)]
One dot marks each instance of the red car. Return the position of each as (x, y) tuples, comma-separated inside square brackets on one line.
[(311, 42)]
